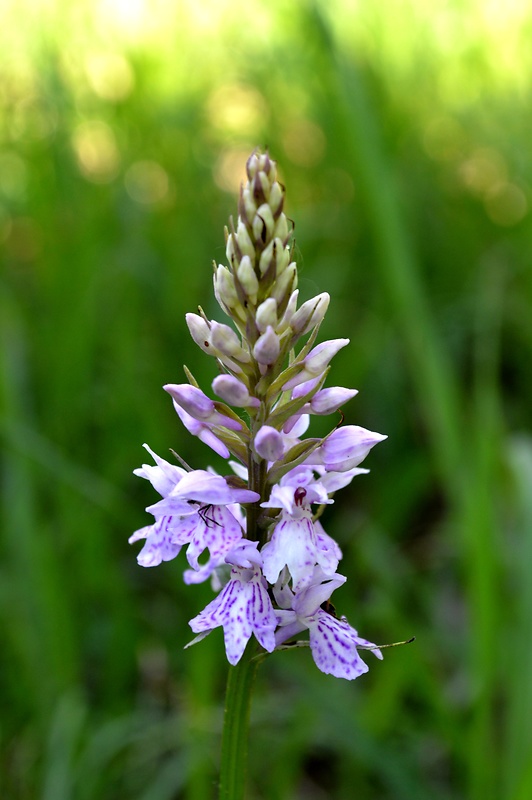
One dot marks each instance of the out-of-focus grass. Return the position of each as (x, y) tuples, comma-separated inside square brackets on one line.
[(401, 133)]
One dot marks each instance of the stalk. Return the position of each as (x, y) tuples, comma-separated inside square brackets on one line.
[(233, 765)]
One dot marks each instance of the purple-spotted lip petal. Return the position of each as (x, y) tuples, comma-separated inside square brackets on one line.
[(334, 647), (242, 608), (158, 546)]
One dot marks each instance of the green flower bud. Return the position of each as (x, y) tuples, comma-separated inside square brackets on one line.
[(248, 203), (266, 314), (248, 279), (276, 199), (243, 240), (275, 253), (225, 293), (289, 312), (281, 229), (230, 248), (263, 223), (261, 188), (285, 284)]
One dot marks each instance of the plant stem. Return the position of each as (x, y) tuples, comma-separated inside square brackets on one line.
[(233, 765)]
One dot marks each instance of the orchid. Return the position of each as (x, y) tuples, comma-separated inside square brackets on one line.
[(255, 533), (193, 511), (333, 641), (242, 608)]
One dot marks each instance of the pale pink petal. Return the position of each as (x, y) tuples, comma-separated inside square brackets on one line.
[(294, 545), (159, 544), (334, 647)]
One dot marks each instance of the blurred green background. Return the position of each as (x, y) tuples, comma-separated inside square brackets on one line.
[(402, 132)]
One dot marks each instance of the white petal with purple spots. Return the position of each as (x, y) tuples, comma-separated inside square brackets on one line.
[(243, 608), (159, 545)]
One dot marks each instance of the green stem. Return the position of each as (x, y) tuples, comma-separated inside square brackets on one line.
[(233, 766)]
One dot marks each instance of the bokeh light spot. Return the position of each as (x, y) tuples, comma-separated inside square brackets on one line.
[(506, 204), (484, 169), (304, 143), (96, 151), (130, 19), (237, 109), (146, 182), (110, 75)]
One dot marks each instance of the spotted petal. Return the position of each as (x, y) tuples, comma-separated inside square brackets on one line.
[(334, 646), (159, 545), (243, 608), (294, 545), (215, 530)]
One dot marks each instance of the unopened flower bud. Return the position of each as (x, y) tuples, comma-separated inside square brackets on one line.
[(227, 342), (268, 166), (202, 431), (248, 279), (245, 245), (266, 314), (281, 228), (320, 356), (192, 399), (304, 388), (200, 332), (252, 165), (263, 223), (286, 283), (261, 162), (261, 188), (267, 347), (289, 312), (233, 392), (250, 207), (316, 362), (199, 406), (310, 314), (329, 400), (224, 289), (346, 448), (269, 443), (276, 198), (275, 253), (230, 248)]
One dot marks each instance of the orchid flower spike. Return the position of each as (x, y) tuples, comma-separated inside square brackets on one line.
[(255, 532)]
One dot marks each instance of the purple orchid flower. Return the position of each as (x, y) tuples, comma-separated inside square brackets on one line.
[(333, 641), (243, 608), (193, 511)]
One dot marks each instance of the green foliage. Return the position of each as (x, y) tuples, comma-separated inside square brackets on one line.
[(401, 132)]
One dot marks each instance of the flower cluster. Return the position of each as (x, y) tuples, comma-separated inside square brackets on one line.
[(255, 533)]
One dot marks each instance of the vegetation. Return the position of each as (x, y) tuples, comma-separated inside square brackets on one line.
[(402, 133)]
